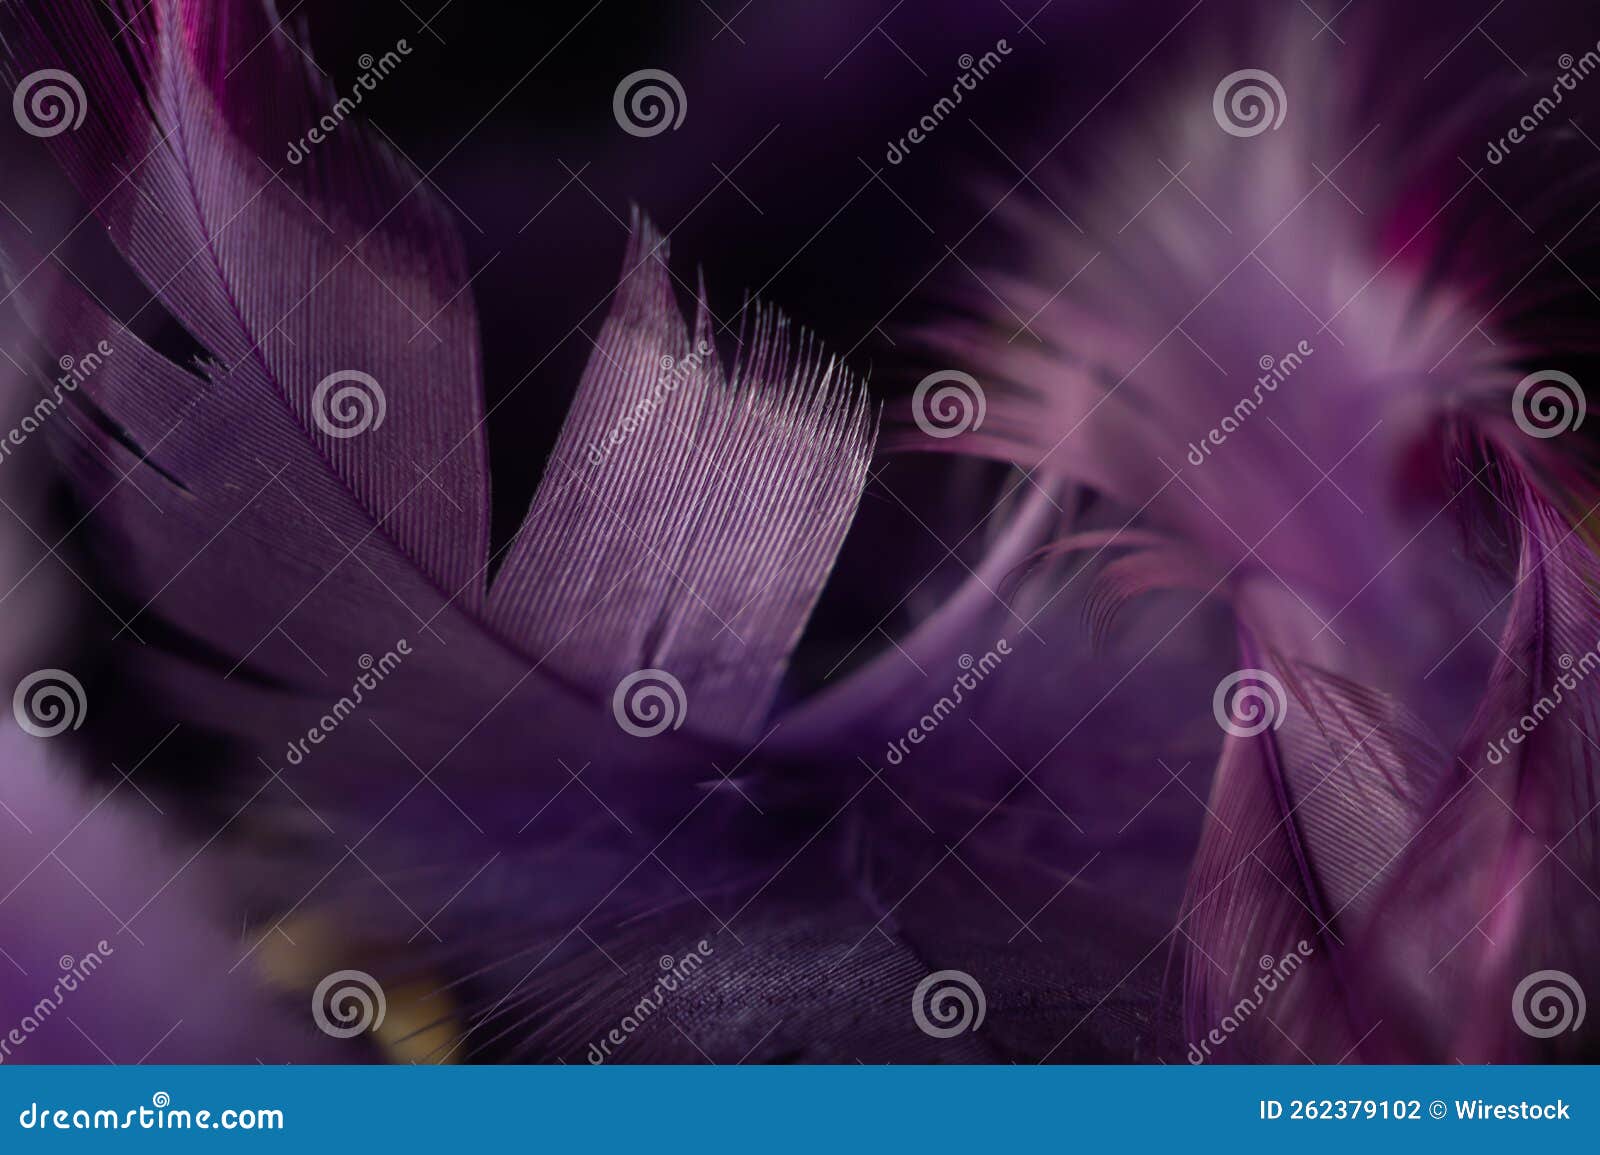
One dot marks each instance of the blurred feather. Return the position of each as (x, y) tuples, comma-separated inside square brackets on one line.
[(1268, 386), (1248, 425), (1499, 883), (110, 945)]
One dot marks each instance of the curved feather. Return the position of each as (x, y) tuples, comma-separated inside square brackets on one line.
[(1500, 884), (273, 569), (1262, 374)]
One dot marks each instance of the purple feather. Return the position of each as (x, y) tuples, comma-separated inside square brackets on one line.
[(1196, 725)]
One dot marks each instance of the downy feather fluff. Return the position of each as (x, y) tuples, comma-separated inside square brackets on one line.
[(1288, 384)]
